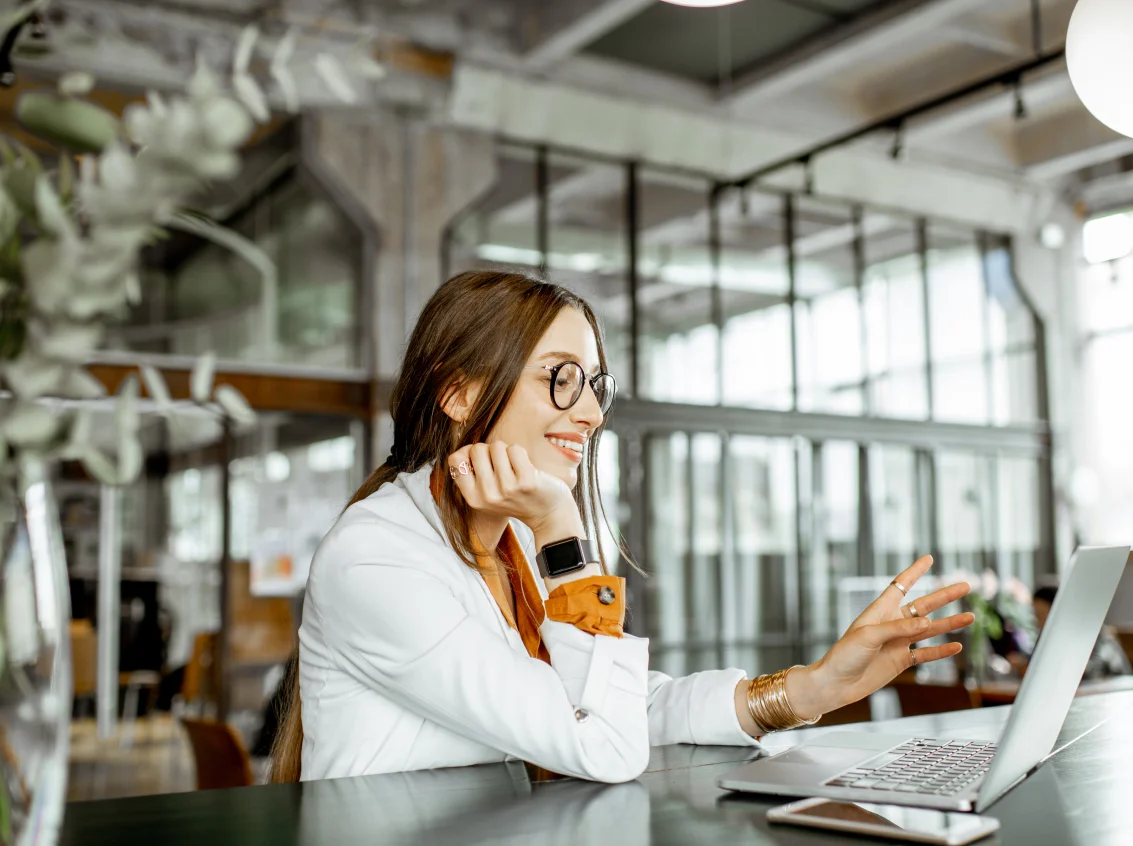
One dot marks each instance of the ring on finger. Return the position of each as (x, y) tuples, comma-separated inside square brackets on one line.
[(465, 469), (913, 612), (904, 590), (913, 653)]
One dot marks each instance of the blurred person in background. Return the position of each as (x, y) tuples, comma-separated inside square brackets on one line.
[(429, 640), (1108, 658)]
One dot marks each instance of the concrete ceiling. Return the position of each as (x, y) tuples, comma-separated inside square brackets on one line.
[(721, 90), (711, 45)]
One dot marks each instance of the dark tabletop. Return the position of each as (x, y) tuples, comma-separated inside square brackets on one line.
[(1084, 795)]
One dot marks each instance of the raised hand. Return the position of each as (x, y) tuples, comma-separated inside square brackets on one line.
[(879, 645)]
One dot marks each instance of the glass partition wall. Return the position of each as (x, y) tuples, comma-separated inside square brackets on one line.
[(812, 394)]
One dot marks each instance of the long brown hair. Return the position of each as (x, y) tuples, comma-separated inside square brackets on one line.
[(479, 327)]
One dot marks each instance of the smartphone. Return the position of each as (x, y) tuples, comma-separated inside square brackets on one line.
[(914, 825)]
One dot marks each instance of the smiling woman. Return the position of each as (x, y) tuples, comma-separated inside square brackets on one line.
[(429, 639)]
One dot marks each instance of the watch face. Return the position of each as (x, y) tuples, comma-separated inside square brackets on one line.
[(564, 557)]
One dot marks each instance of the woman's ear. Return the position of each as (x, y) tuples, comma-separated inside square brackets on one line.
[(459, 400)]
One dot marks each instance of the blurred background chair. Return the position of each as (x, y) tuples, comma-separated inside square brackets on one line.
[(200, 684), (920, 699), (219, 753), (84, 664), (856, 712)]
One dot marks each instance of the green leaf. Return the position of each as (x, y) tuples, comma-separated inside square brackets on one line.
[(201, 379), (201, 226), (72, 124)]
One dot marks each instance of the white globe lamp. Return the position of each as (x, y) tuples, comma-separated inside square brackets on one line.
[(701, 4), (1099, 58)]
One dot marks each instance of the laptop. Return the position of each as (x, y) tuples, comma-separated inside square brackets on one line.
[(959, 774)]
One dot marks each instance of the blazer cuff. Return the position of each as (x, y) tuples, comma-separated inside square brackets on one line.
[(712, 709), (580, 604)]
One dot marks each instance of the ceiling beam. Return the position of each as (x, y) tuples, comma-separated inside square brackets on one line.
[(987, 107), (538, 112), (564, 28), (824, 57), (1067, 142)]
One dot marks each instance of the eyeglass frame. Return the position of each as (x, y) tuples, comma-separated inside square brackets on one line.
[(589, 380)]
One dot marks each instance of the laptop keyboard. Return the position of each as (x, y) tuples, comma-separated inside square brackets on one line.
[(933, 767)]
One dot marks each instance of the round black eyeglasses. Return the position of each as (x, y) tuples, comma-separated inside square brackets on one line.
[(568, 380)]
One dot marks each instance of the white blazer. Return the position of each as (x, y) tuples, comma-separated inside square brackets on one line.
[(406, 663)]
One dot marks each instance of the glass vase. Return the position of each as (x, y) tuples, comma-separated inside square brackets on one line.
[(35, 660)]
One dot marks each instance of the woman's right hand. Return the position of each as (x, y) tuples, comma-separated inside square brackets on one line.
[(500, 481)]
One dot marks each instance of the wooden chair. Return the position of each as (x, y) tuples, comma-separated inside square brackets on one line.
[(201, 682), (84, 660), (855, 712), (1125, 638), (920, 699), (222, 761)]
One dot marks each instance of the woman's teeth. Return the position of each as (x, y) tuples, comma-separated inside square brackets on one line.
[(572, 445)]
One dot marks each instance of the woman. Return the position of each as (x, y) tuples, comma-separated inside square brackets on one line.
[(428, 641)]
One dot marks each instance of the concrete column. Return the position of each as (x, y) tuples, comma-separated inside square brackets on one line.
[(403, 181)]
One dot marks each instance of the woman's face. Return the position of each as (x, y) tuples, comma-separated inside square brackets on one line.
[(556, 440)]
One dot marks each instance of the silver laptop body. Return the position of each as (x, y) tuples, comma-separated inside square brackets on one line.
[(959, 774)]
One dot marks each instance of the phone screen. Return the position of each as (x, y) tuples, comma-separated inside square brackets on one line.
[(940, 825)]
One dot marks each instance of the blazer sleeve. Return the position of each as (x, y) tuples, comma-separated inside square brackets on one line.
[(698, 708), (393, 625)]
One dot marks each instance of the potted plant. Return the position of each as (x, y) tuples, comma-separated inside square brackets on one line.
[(71, 231)]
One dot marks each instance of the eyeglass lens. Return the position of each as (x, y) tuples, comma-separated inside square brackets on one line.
[(569, 383)]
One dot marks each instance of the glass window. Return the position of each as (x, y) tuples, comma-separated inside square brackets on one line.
[(1018, 518), (753, 287), (669, 473), (1104, 484), (966, 512), (828, 312), (762, 481), (894, 509), (1105, 296), (609, 489), (833, 548), (586, 214), (958, 320), (198, 297), (502, 228), (679, 341), (893, 299)]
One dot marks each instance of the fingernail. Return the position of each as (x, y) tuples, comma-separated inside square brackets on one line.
[(922, 623)]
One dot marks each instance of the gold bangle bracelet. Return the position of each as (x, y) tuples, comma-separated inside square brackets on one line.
[(768, 705)]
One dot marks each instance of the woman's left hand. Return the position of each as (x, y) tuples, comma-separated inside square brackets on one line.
[(878, 646)]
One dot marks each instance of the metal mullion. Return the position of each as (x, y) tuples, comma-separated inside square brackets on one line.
[(789, 242), (866, 563), (633, 478), (792, 576), (726, 577), (924, 469), (717, 303), (922, 252), (863, 324), (633, 224), (691, 618), (988, 355), (542, 215)]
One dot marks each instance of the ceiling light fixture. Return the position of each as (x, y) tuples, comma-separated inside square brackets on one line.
[(702, 4), (1099, 58)]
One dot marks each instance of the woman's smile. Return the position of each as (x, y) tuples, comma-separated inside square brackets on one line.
[(573, 446)]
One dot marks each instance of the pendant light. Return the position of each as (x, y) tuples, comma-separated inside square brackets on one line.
[(1099, 59), (702, 4)]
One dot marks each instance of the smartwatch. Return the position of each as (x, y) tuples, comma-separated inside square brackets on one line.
[(565, 556)]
